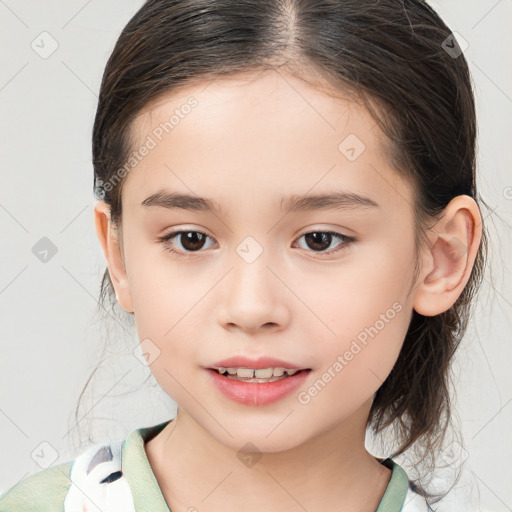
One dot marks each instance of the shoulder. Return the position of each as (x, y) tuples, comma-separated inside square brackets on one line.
[(72, 486), (95, 476), (44, 491)]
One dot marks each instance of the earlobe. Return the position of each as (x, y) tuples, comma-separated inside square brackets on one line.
[(448, 261), (109, 239)]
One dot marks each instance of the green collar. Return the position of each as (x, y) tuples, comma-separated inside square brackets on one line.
[(148, 497), (397, 488)]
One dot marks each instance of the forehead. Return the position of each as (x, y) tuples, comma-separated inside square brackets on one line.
[(271, 100), (270, 130)]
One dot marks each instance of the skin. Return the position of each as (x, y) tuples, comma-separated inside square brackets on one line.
[(251, 140)]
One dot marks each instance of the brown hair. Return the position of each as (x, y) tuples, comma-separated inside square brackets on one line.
[(399, 58)]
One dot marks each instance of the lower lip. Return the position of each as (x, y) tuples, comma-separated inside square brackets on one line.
[(257, 393)]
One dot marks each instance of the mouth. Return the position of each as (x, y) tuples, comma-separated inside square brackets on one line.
[(257, 386)]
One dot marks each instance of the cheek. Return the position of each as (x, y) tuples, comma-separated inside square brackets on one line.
[(166, 302), (354, 367), (353, 295), (162, 287), (174, 348), (365, 313)]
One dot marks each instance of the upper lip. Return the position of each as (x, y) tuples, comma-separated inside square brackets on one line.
[(256, 364)]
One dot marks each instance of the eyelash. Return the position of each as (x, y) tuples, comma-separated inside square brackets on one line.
[(346, 241)]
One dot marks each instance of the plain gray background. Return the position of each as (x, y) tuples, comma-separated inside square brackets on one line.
[(50, 333)]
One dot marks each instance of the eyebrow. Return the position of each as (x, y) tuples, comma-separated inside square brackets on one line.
[(333, 200), (293, 203)]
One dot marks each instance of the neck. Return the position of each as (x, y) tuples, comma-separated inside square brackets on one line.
[(331, 471)]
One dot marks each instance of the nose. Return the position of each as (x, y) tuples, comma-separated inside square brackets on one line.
[(254, 298)]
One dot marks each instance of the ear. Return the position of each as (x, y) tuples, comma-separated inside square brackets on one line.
[(111, 244), (448, 261)]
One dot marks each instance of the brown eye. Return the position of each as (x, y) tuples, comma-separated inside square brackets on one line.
[(185, 241), (319, 241), (191, 240)]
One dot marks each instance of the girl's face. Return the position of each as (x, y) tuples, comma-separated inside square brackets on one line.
[(263, 280)]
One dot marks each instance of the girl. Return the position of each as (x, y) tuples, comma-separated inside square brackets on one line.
[(287, 206)]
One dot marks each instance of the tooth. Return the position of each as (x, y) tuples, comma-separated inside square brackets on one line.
[(265, 373), (245, 372), (262, 373)]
